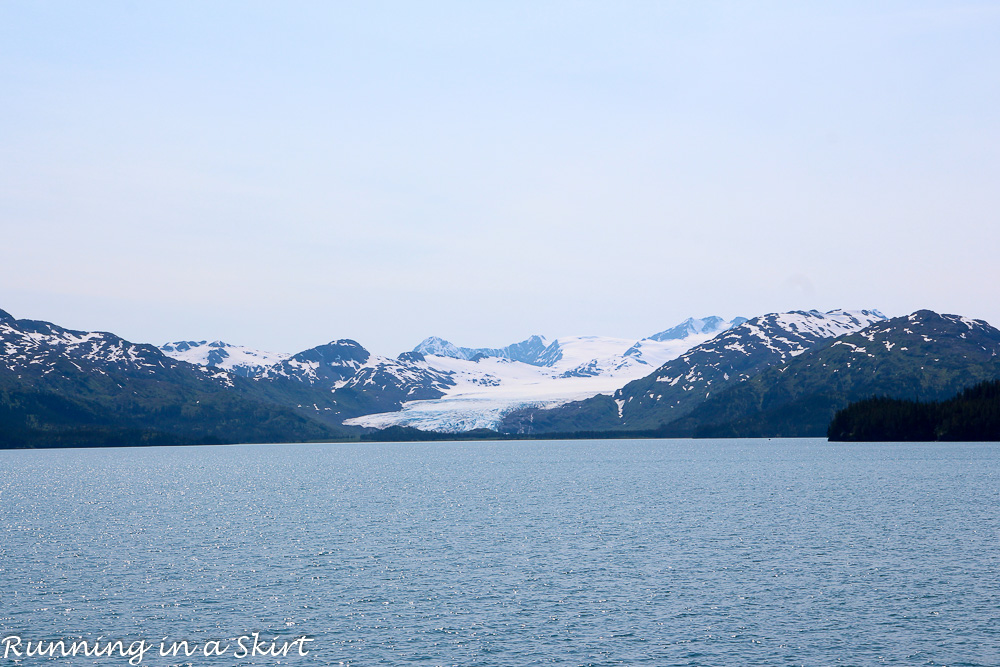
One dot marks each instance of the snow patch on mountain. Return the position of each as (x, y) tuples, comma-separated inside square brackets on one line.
[(660, 348), (32, 348), (237, 359), (414, 379), (693, 327), (329, 364), (768, 338)]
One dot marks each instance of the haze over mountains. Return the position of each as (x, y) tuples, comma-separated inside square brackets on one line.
[(777, 374)]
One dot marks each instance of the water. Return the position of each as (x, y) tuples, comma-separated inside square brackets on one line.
[(641, 552)]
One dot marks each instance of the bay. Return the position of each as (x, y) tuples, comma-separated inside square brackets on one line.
[(630, 552)]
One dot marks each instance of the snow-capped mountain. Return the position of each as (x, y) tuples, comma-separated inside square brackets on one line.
[(488, 383), (740, 352), (660, 348), (62, 387), (778, 374), (692, 326), (923, 356), (334, 381), (587, 355), (407, 380), (362, 382), (439, 385), (38, 349), (323, 365), (244, 361), (680, 384), (527, 351)]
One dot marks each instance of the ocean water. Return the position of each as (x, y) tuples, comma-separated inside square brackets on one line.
[(629, 552)]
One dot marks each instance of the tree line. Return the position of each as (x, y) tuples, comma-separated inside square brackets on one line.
[(972, 415)]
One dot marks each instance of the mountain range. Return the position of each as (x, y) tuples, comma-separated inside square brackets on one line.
[(63, 387), (777, 374), (680, 384), (787, 375), (440, 386), (924, 356)]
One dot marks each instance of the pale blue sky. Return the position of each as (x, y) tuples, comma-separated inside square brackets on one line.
[(282, 174)]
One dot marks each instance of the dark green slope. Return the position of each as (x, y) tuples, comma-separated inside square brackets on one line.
[(37, 418), (922, 357), (973, 415), (175, 406)]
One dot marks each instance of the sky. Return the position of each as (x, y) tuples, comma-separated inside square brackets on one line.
[(279, 175)]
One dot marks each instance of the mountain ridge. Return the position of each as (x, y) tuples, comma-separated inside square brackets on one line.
[(773, 375), (733, 355), (62, 386), (924, 356), (365, 389)]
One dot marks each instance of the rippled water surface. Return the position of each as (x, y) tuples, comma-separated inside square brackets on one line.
[(643, 552)]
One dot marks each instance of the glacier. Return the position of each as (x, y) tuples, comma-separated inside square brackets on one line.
[(486, 388)]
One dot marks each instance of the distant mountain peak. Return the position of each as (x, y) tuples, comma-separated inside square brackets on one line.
[(345, 343), (238, 359), (696, 326), (439, 347), (336, 353), (326, 364), (527, 351), (924, 315), (181, 346)]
